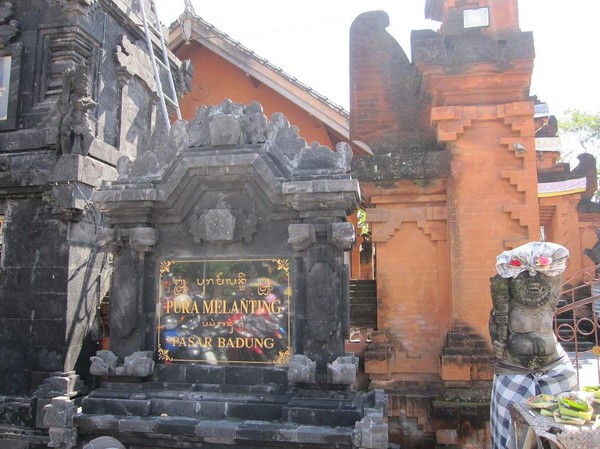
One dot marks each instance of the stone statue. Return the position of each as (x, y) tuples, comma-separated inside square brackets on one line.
[(530, 361), (74, 133)]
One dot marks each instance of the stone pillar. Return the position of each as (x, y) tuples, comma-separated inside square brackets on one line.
[(126, 320), (322, 316), (73, 179)]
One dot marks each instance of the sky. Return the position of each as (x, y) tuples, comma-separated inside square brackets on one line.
[(308, 39)]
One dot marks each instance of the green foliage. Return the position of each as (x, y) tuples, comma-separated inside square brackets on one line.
[(585, 127), (362, 221)]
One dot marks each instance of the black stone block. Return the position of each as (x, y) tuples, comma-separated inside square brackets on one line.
[(177, 426), (107, 393), (211, 409), (323, 417), (12, 368), (325, 435), (16, 412), (264, 431), (243, 375), (173, 407), (136, 424), (217, 431), (170, 373), (116, 407), (90, 423), (262, 412), (276, 376), (205, 374)]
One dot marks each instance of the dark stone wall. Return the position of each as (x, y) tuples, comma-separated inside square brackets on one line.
[(32, 294), (52, 277)]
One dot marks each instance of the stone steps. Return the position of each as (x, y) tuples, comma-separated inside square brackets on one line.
[(216, 407), (310, 408), (179, 432)]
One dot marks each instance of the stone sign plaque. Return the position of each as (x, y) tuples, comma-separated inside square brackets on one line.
[(224, 311)]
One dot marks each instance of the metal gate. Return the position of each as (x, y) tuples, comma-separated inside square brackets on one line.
[(577, 323)]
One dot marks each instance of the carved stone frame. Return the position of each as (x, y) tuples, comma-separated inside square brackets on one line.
[(15, 52)]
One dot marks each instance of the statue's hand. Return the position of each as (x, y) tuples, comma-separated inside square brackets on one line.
[(499, 348)]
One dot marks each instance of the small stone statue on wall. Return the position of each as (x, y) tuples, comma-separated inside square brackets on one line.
[(530, 361), (74, 133)]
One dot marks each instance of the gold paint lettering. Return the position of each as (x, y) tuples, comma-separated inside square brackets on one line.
[(276, 307), (242, 281), (208, 307)]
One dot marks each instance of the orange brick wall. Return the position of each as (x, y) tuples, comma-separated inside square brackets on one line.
[(382, 84), (564, 229), (409, 229), (589, 225), (216, 79), (414, 298), (492, 198)]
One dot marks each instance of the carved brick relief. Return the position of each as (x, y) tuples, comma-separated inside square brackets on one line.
[(429, 219)]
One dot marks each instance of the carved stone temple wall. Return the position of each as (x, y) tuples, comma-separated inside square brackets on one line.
[(75, 96), (229, 295)]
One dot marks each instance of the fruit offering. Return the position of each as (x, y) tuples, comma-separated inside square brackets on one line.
[(595, 392), (543, 402), (572, 407)]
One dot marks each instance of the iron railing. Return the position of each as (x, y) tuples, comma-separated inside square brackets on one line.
[(577, 323)]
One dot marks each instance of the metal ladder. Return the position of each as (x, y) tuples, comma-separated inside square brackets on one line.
[(162, 97)]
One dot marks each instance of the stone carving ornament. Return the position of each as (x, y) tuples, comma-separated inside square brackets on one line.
[(9, 27), (530, 360), (222, 224), (232, 124), (74, 105)]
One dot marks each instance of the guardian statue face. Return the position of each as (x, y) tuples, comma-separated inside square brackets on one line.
[(535, 291)]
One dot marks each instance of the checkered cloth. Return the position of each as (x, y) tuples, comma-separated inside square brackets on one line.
[(510, 388)]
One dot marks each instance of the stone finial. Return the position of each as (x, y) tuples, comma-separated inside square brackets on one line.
[(108, 240), (318, 157), (59, 384), (143, 239), (234, 125), (189, 7), (104, 363), (60, 412), (228, 123), (301, 236), (138, 364), (342, 370), (371, 432), (302, 370), (342, 235)]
